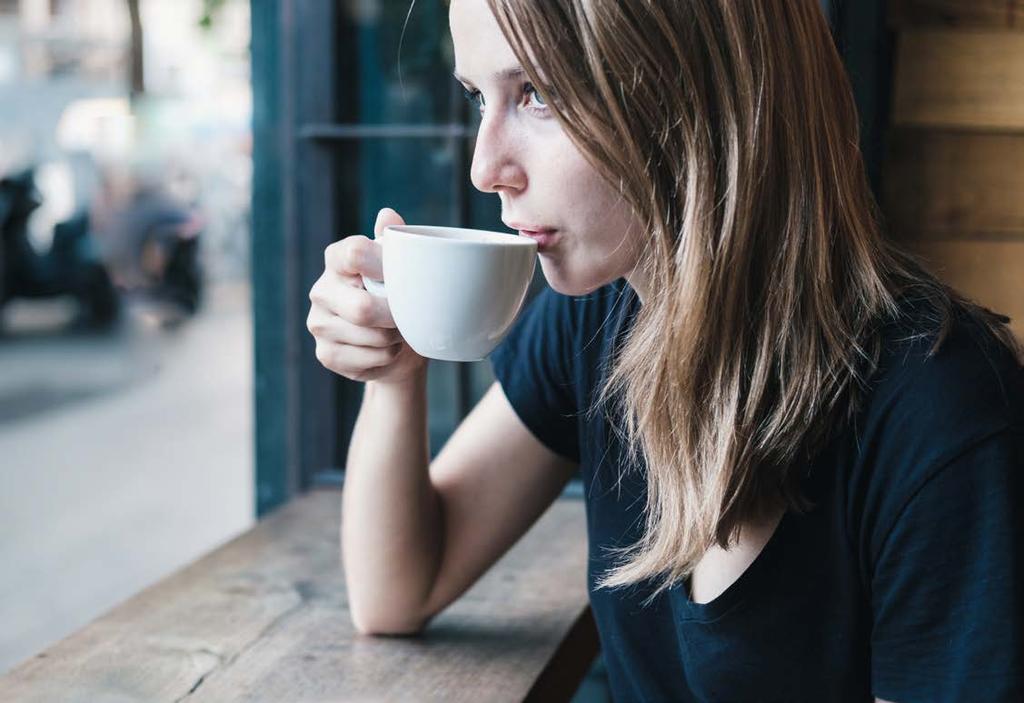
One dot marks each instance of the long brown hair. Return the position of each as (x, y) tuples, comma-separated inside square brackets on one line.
[(730, 129)]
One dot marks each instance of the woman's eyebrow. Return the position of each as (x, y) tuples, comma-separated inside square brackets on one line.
[(503, 75)]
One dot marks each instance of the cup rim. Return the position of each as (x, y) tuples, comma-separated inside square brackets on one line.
[(514, 240)]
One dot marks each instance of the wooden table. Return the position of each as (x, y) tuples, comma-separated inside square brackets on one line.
[(265, 618)]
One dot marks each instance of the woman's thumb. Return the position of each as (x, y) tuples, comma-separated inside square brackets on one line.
[(385, 218)]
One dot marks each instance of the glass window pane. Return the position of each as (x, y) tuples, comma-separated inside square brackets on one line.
[(402, 79)]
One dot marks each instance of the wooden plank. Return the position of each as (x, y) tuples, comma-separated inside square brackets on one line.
[(951, 185), (266, 618), (908, 14), (959, 79), (991, 273)]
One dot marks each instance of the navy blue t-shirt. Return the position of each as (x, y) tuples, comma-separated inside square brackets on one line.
[(905, 581)]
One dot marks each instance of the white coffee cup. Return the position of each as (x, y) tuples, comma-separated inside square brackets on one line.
[(453, 292)]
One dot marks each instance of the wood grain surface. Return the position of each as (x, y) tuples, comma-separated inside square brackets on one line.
[(991, 273), (957, 13), (265, 618), (960, 79), (955, 185), (953, 189)]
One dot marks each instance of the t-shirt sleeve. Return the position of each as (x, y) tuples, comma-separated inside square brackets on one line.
[(531, 364), (948, 583)]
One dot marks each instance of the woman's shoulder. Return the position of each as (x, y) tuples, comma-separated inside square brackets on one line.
[(953, 410), (941, 386), (947, 367)]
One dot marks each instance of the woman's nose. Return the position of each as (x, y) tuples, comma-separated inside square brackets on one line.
[(497, 162)]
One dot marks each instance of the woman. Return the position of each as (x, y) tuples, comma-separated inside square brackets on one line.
[(802, 454)]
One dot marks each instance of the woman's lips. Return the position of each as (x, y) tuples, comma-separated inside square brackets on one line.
[(545, 238)]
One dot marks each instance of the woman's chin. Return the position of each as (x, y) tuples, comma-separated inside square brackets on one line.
[(568, 284)]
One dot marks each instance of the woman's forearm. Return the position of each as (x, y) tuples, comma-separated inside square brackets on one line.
[(391, 515)]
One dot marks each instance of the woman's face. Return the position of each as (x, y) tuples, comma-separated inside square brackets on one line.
[(543, 181)]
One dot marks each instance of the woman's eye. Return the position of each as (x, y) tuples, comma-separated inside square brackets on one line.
[(540, 98), (474, 97)]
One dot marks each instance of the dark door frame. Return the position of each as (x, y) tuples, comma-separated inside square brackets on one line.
[(293, 55)]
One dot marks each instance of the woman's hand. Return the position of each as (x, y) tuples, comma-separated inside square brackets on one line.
[(355, 334)]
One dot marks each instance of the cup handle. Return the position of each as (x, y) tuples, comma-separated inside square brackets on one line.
[(374, 287)]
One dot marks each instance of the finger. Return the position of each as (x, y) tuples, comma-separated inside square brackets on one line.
[(355, 257), (362, 309), (372, 261), (386, 217), (328, 327), (349, 360), (330, 288), (347, 257)]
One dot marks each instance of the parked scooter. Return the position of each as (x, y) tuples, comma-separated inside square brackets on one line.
[(71, 266), (156, 250)]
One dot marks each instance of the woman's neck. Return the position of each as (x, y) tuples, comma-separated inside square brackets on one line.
[(637, 280)]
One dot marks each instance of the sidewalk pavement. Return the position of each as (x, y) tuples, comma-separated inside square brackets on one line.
[(122, 458)]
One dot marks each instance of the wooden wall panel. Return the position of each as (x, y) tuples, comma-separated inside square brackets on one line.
[(955, 184), (960, 79), (957, 13), (991, 273)]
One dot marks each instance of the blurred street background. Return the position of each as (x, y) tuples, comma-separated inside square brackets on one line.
[(126, 363)]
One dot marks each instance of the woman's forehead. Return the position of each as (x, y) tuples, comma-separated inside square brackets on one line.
[(481, 49), (482, 53), (510, 74)]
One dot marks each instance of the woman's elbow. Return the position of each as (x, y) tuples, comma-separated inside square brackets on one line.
[(392, 624)]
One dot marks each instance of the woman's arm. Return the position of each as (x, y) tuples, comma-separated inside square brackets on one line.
[(416, 537)]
